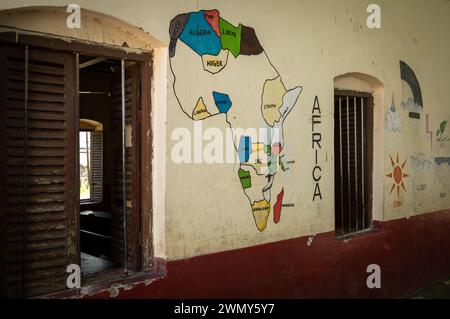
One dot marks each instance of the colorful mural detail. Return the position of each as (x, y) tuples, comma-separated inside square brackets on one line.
[(392, 119), (261, 211), (413, 104), (176, 28), (245, 177), (207, 33), (272, 100), (397, 175), (200, 111), (277, 207), (220, 45), (440, 133)]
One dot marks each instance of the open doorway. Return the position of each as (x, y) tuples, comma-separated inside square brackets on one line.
[(104, 181), (43, 82)]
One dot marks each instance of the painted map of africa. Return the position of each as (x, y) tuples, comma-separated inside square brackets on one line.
[(205, 48)]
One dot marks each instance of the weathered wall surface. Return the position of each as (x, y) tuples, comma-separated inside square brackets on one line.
[(309, 43), (325, 268)]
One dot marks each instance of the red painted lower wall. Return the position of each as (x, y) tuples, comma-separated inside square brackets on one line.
[(412, 252)]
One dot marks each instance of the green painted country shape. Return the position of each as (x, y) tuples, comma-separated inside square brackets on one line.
[(230, 37)]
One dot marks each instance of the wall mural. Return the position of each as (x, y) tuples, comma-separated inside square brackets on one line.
[(227, 59), (420, 162), (442, 160), (441, 133), (412, 100), (316, 139), (421, 165), (392, 119), (442, 138), (397, 175)]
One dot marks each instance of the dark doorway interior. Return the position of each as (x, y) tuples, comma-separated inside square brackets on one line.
[(96, 76), (353, 161)]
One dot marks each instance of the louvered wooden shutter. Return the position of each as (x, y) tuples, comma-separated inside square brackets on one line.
[(97, 166), (132, 106), (38, 219)]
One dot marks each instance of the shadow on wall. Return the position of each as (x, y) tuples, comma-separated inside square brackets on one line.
[(95, 26)]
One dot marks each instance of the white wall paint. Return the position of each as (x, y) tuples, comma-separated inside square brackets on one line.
[(310, 43)]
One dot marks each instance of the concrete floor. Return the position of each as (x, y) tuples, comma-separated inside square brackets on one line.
[(91, 264), (438, 290)]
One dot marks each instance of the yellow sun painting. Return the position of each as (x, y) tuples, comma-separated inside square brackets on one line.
[(398, 175)]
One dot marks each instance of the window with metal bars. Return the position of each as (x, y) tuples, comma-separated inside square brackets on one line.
[(353, 161)]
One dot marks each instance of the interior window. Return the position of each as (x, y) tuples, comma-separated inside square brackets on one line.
[(91, 166), (85, 165)]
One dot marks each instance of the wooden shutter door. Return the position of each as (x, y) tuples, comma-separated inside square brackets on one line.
[(132, 107), (38, 181)]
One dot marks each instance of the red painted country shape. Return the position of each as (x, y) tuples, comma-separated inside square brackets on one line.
[(277, 207), (212, 17)]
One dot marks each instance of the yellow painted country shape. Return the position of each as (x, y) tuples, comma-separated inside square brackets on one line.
[(272, 100), (200, 112), (258, 147), (261, 211)]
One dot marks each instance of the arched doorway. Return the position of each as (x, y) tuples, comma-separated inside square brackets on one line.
[(359, 152)]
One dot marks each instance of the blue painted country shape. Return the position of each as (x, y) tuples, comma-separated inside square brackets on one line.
[(244, 148), (222, 101), (200, 36)]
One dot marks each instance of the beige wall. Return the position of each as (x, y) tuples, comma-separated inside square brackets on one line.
[(310, 43)]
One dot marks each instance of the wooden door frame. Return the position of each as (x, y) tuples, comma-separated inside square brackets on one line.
[(145, 60)]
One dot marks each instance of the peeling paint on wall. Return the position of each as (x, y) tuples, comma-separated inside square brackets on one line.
[(420, 162), (393, 119)]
